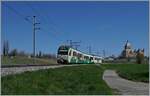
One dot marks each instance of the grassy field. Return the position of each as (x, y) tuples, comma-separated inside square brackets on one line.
[(135, 72), (84, 79), (25, 60)]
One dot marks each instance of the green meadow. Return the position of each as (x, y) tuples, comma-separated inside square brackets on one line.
[(78, 80), (85, 79), (25, 60), (135, 72)]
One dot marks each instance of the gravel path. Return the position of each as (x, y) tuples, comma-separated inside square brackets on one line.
[(16, 70), (125, 87)]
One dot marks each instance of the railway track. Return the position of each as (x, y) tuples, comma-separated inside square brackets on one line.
[(20, 68), (27, 65), (16, 69)]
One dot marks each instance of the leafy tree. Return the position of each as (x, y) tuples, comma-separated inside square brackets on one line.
[(14, 52), (139, 58)]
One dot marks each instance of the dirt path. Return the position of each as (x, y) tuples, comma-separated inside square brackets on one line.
[(124, 86)]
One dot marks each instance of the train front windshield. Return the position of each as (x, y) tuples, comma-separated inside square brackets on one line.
[(63, 52)]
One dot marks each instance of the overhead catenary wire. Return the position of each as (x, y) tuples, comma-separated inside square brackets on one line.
[(30, 21), (33, 22), (44, 17), (18, 13), (26, 18)]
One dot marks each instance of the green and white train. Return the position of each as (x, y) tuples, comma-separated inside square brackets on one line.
[(69, 55)]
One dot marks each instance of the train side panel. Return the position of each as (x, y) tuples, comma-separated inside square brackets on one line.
[(73, 56)]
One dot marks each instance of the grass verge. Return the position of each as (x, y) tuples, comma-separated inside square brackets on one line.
[(25, 60), (84, 79), (135, 72)]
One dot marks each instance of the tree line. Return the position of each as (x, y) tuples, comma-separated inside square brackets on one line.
[(15, 52)]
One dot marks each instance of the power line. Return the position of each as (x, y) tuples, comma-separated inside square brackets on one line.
[(98, 53), (34, 10), (17, 13), (33, 22), (42, 16), (52, 22), (27, 19), (22, 16), (74, 44), (104, 53), (90, 49)]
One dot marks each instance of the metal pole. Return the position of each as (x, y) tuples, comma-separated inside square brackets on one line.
[(89, 49), (71, 43), (34, 39), (104, 53)]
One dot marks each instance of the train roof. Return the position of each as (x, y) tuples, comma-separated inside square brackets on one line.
[(64, 47), (67, 47)]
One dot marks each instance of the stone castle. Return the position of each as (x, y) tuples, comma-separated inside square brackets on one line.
[(128, 52)]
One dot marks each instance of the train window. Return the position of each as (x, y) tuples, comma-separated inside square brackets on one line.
[(70, 53), (74, 53), (63, 52), (86, 57), (79, 55), (91, 58), (64, 48)]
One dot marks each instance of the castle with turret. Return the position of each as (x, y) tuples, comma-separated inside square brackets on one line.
[(128, 52)]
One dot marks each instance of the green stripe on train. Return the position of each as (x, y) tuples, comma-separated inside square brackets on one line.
[(74, 60)]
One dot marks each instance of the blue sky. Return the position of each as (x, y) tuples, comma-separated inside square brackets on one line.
[(102, 25)]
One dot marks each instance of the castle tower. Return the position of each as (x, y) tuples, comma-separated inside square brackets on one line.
[(127, 51)]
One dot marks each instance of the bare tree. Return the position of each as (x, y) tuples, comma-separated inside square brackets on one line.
[(6, 48), (40, 54)]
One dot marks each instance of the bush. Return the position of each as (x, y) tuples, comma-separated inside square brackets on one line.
[(14, 52), (140, 58)]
